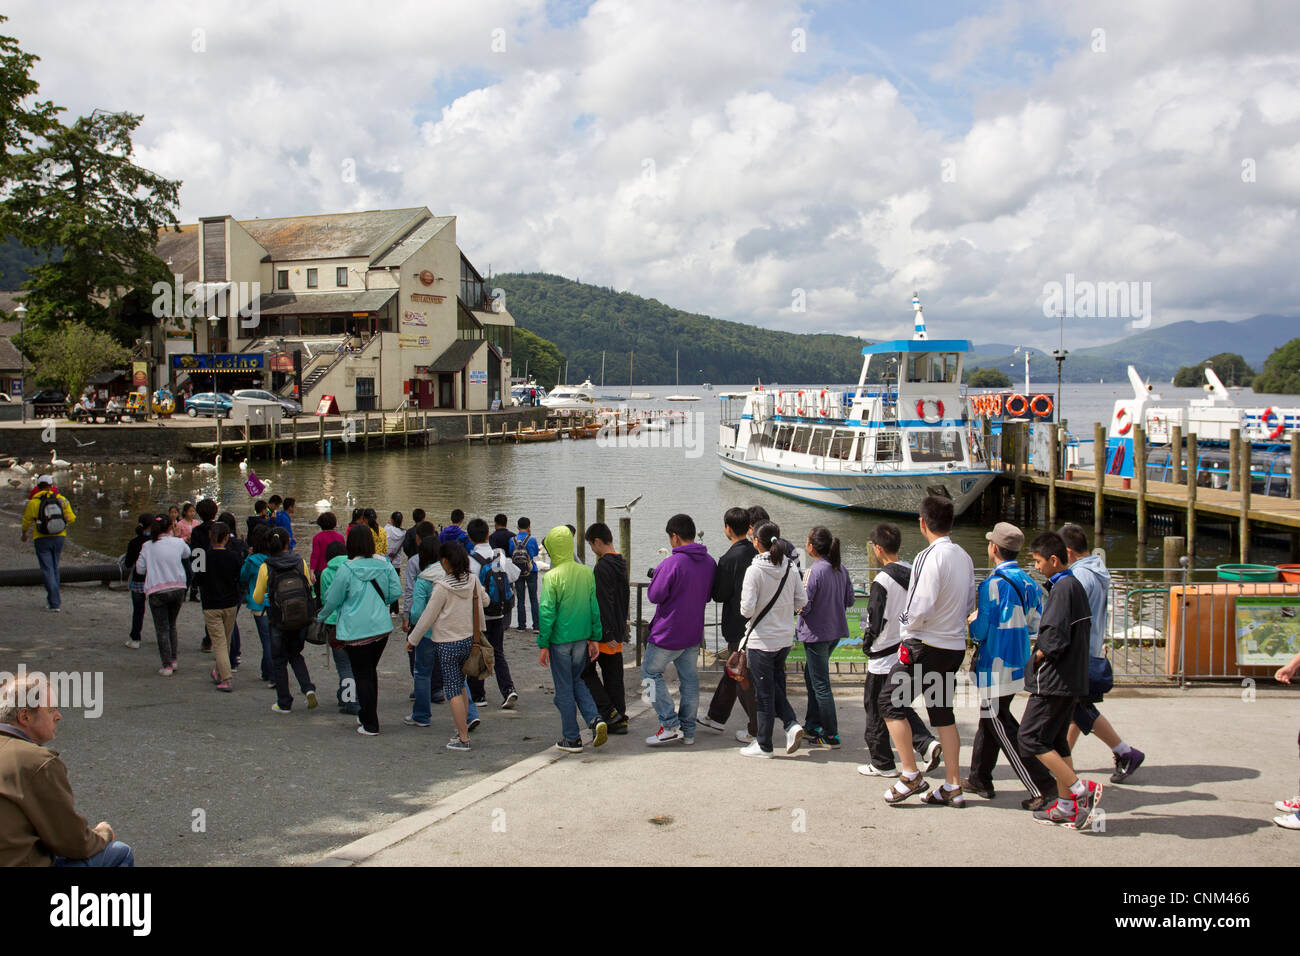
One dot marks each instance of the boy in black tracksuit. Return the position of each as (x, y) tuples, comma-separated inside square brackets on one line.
[(727, 583), (612, 596), (1056, 677)]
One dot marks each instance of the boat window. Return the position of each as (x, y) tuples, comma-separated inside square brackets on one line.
[(918, 367), (821, 440), (841, 444), (887, 447), (802, 434), (783, 435), (934, 445), (943, 367)]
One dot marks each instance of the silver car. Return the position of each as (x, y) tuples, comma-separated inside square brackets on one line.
[(291, 408)]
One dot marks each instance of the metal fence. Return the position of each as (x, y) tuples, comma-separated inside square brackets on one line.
[(1158, 631)]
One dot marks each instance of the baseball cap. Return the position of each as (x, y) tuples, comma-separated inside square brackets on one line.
[(45, 480), (1007, 536)]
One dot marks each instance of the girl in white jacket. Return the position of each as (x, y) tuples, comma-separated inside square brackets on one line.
[(770, 635)]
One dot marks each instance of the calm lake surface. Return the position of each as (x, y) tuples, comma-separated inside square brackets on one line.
[(670, 472)]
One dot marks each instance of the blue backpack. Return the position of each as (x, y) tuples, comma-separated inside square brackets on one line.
[(501, 599)]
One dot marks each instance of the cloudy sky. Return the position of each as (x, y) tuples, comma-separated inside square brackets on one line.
[(720, 155)]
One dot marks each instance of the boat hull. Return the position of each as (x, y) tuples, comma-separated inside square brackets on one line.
[(894, 493)]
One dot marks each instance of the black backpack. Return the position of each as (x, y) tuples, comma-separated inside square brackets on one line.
[(50, 518), (292, 606), (497, 584)]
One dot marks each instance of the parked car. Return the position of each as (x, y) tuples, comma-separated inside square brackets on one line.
[(291, 408), (49, 401), (209, 403)]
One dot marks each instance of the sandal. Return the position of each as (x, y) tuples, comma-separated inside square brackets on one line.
[(915, 785)]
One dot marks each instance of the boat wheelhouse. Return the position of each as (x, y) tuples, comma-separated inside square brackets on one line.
[(875, 447)]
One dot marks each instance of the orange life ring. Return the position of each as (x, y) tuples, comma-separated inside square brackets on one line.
[(1122, 415), (1281, 422), (1033, 405), (1023, 405), (920, 410)]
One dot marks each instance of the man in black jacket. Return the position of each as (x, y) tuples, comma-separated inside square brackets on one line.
[(612, 588), (727, 583), (200, 538), (1056, 677)]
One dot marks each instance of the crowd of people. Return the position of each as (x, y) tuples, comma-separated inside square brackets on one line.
[(451, 592)]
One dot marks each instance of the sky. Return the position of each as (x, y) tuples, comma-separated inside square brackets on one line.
[(803, 166)]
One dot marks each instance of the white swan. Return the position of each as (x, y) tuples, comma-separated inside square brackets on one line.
[(207, 468), (56, 461), (171, 472), (325, 504), (18, 468), (243, 466)]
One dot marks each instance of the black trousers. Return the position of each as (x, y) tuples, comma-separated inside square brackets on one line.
[(365, 671), (286, 652), (494, 629), (875, 694), (1000, 731), (730, 690), (607, 686)]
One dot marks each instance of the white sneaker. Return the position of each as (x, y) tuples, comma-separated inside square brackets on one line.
[(134, 645), (688, 741), (754, 750), (744, 737), (793, 737), (933, 754), (1289, 822), (868, 770), (662, 736), (709, 724), (1288, 806)]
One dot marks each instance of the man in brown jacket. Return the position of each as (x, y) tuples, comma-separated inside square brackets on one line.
[(39, 822)]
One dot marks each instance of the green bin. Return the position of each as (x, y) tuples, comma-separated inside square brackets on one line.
[(1254, 573)]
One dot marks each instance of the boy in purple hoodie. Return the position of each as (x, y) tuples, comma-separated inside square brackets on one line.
[(680, 588)]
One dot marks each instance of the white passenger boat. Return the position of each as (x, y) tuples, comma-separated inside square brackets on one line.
[(571, 397), (878, 448)]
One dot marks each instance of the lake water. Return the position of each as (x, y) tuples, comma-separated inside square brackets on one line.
[(670, 472)]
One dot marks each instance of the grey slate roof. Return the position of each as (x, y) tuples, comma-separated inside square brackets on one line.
[(404, 248), (324, 303)]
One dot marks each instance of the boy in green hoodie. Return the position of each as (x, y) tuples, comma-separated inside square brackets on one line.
[(568, 633)]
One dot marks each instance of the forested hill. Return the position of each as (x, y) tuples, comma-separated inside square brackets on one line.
[(583, 320)]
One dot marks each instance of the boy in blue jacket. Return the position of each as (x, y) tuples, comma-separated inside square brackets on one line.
[(1009, 608)]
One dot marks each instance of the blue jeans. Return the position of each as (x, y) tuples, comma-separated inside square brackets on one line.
[(653, 665), (343, 665), (820, 715), (527, 585), (263, 624), (568, 661), (426, 666), (48, 551), (767, 671), (115, 854)]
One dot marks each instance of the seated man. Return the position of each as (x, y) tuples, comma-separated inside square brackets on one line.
[(39, 823)]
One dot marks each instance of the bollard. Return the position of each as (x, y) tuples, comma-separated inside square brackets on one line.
[(1243, 527), (600, 510), (1140, 475), (581, 522), (1175, 548), (1193, 456)]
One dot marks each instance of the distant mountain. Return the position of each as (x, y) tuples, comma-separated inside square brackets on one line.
[(586, 320), (1157, 353)]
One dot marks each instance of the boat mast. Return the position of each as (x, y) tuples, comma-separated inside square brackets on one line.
[(602, 368)]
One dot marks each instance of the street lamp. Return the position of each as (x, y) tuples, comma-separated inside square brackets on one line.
[(1059, 353), (21, 312)]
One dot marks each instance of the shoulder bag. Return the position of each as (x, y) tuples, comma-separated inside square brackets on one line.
[(738, 662), (482, 660)]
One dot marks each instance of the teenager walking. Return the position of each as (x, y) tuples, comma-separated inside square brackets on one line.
[(771, 596), (454, 614), (822, 625), (163, 559), (47, 516), (219, 591), (524, 554), (335, 556), (1009, 607), (426, 671), (362, 590), (1056, 677), (497, 575), (880, 639), (939, 599), (568, 634), (727, 585), (139, 600), (248, 575), (284, 583), (612, 588)]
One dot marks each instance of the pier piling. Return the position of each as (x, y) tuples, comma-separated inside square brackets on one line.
[(1243, 526), (1140, 476), (1099, 467), (581, 522), (1193, 454)]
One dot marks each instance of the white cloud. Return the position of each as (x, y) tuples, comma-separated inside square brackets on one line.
[(682, 150)]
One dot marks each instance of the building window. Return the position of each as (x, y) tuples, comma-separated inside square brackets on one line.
[(341, 276), (311, 278), (282, 279)]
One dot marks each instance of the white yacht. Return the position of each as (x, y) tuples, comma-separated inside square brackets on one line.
[(878, 448), (571, 397)]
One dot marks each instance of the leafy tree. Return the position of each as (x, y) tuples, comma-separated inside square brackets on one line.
[(540, 357), (68, 356), (1229, 366), (988, 378), (21, 120), (1281, 372), (78, 191)]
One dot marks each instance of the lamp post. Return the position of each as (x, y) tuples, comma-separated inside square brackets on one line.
[(1059, 353), (21, 312)]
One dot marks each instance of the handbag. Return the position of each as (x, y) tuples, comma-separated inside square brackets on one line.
[(738, 661), (482, 659), (315, 633)]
